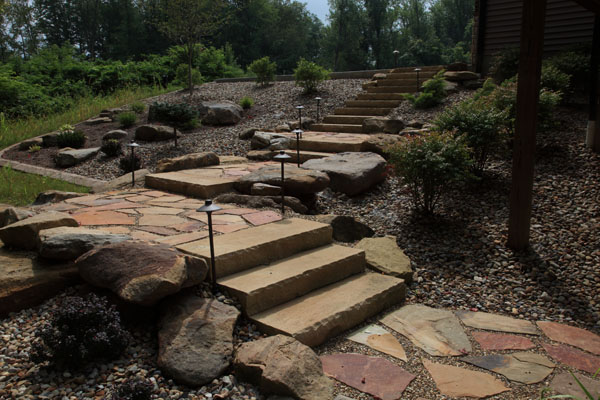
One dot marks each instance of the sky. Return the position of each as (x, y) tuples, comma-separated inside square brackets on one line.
[(318, 7)]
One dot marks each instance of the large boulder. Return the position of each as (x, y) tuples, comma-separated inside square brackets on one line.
[(69, 158), (99, 120), (154, 133), (248, 133), (10, 215), (188, 161), (379, 142), (24, 234), (68, 243), (459, 76), (26, 144), (283, 366), (220, 113), (55, 196), (350, 173), (374, 124), (116, 134), (262, 140), (195, 338), (393, 126), (298, 181), (140, 272), (306, 124), (345, 228), (383, 255), (262, 201)]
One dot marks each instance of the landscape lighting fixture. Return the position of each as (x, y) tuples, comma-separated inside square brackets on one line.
[(417, 70), (396, 54), (133, 146), (209, 208), (300, 108), (298, 133), (282, 157), (318, 99)]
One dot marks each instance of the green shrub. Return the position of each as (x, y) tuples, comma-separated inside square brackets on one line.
[(70, 138), (111, 147), (246, 102), (178, 116), (125, 163), (429, 165), (138, 107), (264, 70), (80, 330), (136, 389), (309, 75), (127, 119), (480, 126), (505, 64), (432, 95), (573, 63), (182, 77), (554, 79)]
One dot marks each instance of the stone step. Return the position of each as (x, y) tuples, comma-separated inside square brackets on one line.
[(248, 248), (411, 75), (362, 111), (330, 142), (348, 128), (380, 96), (392, 89), (305, 155), (264, 287), (326, 312), (372, 103), (345, 119), (400, 82), (203, 183), (412, 69)]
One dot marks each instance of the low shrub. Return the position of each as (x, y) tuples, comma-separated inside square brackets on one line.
[(111, 147), (554, 79), (70, 137), (429, 165), (127, 119), (433, 93), (80, 330), (138, 107), (264, 70), (505, 64), (136, 389), (34, 148), (178, 116), (309, 75), (246, 102), (576, 64), (125, 163)]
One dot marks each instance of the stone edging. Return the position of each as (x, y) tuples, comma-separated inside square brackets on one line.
[(366, 74)]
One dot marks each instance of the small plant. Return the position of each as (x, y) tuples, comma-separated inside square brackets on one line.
[(138, 107), (586, 391), (432, 95), (264, 70), (178, 116), (136, 389), (70, 138), (127, 119), (80, 330), (505, 64), (554, 79), (111, 147), (34, 148), (429, 165), (309, 75), (125, 163), (246, 102)]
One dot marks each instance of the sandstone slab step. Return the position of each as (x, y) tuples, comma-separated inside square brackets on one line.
[(411, 75), (380, 96), (263, 287), (412, 69), (305, 155), (392, 89), (372, 103), (348, 128), (345, 119), (324, 313), (248, 248), (362, 111), (407, 81), (330, 142)]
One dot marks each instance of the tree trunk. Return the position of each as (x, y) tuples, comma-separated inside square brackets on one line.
[(190, 58)]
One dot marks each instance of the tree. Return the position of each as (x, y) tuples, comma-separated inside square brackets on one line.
[(451, 20), (23, 34), (344, 36), (187, 22), (56, 21)]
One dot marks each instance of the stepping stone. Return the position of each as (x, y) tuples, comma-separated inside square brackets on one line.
[(203, 183), (379, 339), (160, 211), (528, 368), (119, 205), (373, 375), (183, 238), (460, 382), (103, 218), (263, 217), (437, 332), (499, 341), (571, 335), (565, 384), (384, 255), (159, 230), (573, 357), (495, 322), (161, 220), (329, 142)]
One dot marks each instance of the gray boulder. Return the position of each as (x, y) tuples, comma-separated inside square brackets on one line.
[(248, 133), (55, 196), (380, 142), (306, 124), (116, 134), (350, 173), (69, 158), (262, 140), (261, 155), (262, 189), (459, 76), (98, 121), (188, 161), (262, 201), (23, 234), (68, 243), (195, 338), (154, 133), (220, 113), (374, 124), (393, 126), (50, 140), (10, 215), (298, 181), (345, 228)]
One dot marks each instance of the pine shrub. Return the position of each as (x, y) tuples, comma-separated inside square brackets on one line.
[(70, 138), (111, 147), (246, 102)]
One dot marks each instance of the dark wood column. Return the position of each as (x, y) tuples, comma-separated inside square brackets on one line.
[(593, 133), (530, 64)]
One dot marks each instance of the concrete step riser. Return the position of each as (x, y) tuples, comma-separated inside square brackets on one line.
[(345, 119), (337, 128), (362, 111), (282, 291), (392, 89), (248, 248), (372, 103)]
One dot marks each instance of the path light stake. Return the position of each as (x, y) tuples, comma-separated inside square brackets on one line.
[(298, 133), (300, 108), (209, 208), (417, 70), (282, 157), (318, 99), (396, 53), (132, 146)]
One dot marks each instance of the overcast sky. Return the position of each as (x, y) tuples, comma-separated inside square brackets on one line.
[(318, 7)]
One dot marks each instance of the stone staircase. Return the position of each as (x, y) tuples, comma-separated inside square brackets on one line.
[(290, 279)]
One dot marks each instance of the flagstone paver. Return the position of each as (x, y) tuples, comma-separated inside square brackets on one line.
[(146, 236), (460, 382), (103, 218), (495, 322), (160, 210), (565, 384), (229, 228), (190, 226), (183, 238), (571, 335), (374, 375), (501, 341), (263, 217), (521, 367), (159, 230), (379, 339), (438, 332), (573, 357), (161, 220)]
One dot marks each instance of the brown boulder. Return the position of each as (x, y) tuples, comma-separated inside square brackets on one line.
[(10, 215), (188, 161), (195, 338), (282, 365), (374, 124), (154, 133), (55, 196), (345, 228), (140, 272), (379, 143), (68, 243), (298, 181), (24, 234), (459, 76)]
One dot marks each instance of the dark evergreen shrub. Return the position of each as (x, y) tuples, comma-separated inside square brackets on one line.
[(111, 147)]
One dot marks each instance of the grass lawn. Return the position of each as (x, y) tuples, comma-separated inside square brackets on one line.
[(19, 189)]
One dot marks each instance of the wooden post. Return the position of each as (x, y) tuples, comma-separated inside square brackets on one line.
[(528, 90), (593, 128)]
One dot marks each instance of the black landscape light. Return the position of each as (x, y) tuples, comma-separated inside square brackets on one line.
[(396, 54), (300, 108), (298, 133), (318, 99), (209, 208), (282, 157), (417, 70), (133, 145)]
